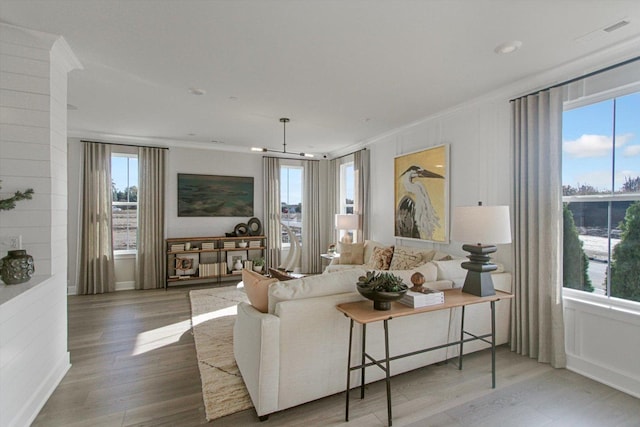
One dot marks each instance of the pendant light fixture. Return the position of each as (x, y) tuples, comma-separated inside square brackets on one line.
[(284, 122)]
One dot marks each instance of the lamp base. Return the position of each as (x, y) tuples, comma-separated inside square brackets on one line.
[(478, 281)]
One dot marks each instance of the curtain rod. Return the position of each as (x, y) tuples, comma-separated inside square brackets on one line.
[(349, 154), (575, 79), (306, 159), (124, 145)]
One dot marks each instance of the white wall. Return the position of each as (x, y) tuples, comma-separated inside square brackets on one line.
[(33, 133), (180, 160), (479, 164)]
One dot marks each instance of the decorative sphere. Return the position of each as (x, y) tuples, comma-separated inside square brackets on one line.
[(417, 279)]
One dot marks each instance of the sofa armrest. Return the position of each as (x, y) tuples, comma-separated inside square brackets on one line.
[(256, 347)]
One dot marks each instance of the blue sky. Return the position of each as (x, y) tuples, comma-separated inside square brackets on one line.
[(119, 172), (587, 143)]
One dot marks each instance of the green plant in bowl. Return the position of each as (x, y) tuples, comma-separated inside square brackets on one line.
[(381, 288)]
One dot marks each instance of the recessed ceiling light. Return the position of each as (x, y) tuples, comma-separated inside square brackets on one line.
[(196, 91), (508, 47), (233, 98), (191, 134)]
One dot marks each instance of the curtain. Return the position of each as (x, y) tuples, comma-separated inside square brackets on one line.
[(150, 257), (311, 249), (537, 326), (97, 273), (271, 175), (330, 208), (362, 201)]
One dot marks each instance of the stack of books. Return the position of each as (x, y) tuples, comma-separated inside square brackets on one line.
[(177, 247), (229, 245), (255, 243), (208, 245), (420, 299), (248, 264)]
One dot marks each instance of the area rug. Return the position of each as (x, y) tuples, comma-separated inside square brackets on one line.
[(213, 313)]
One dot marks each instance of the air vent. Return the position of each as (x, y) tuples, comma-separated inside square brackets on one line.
[(617, 25)]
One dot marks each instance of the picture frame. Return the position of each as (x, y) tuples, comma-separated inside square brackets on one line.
[(186, 264), (421, 195), (215, 195)]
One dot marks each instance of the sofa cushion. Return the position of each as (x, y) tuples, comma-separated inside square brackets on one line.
[(369, 246), (405, 259), (351, 253), (257, 288), (380, 258), (451, 270), (314, 286)]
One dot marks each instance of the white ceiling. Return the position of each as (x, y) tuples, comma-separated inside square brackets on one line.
[(344, 71)]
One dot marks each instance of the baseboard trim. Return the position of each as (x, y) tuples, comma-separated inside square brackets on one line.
[(624, 382), (125, 286), (32, 408)]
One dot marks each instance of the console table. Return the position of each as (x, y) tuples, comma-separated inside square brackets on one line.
[(363, 313)]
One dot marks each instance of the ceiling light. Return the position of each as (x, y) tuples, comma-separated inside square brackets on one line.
[(508, 47), (284, 122), (196, 91)]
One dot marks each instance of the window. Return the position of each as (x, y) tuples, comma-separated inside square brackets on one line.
[(291, 201), (347, 193), (601, 195), (124, 201)]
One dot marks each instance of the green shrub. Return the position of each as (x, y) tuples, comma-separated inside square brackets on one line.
[(625, 260), (574, 261)]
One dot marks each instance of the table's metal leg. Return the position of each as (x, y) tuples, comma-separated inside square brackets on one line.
[(346, 413), (461, 339), (388, 370), (364, 348), (493, 344)]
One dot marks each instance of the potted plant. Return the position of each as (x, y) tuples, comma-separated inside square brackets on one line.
[(258, 265), (381, 288)]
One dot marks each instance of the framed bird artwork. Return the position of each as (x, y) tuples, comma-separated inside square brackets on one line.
[(422, 195)]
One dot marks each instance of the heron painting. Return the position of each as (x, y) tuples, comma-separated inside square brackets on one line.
[(421, 195)]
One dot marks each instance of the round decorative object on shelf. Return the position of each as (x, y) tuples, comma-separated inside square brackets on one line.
[(241, 230), (17, 267), (255, 227)]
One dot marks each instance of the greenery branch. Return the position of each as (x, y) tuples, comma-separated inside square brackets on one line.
[(10, 203)]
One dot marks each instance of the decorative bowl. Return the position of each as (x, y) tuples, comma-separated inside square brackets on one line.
[(242, 244), (381, 299)]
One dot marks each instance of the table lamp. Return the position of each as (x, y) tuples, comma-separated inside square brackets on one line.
[(347, 222), (488, 226)]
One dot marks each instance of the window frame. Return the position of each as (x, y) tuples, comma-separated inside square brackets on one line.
[(605, 301), (129, 154), (291, 164)]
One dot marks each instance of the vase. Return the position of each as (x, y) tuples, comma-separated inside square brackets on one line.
[(237, 265), (17, 267)]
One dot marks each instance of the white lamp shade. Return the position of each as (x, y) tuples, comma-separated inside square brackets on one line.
[(481, 224), (347, 222)]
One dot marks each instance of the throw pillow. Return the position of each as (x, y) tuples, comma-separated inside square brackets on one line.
[(404, 259), (257, 288), (280, 275), (351, 253), (381, 258)]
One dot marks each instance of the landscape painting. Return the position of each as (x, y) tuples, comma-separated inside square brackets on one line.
[(214, 195), (422, 195)]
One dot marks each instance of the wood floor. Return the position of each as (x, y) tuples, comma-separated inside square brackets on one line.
[(134, 364)]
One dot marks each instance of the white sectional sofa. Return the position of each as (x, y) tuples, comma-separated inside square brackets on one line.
[(297, 351)]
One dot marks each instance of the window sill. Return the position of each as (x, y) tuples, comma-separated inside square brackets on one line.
[(609, 303), (125, 254)]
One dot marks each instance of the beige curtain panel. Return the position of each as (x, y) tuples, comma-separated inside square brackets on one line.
[(271, 175), (150, 256), (537, 326), (97, 274), (311, 211), (362, 202)]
